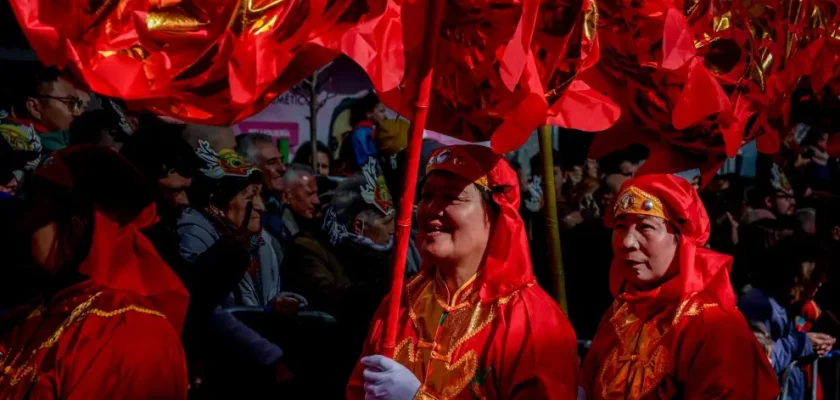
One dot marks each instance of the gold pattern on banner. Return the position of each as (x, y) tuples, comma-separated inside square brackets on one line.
[(176, 19)]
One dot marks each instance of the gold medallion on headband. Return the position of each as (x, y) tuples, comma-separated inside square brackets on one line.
[(636, 201)]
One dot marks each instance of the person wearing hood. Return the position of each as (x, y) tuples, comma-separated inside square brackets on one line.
[(108, 321), (673, 331), (473, 323)]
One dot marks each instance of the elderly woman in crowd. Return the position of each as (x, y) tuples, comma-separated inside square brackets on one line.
[(109, 319), (226, 201), (472, 323), (662, 337)]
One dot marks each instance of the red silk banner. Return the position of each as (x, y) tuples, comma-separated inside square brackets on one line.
[(205, 62), (503, 67)]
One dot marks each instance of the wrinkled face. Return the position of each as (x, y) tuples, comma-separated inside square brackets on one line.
[(378, 114), (644, 248), (238, 207), (453, 222), (323, 161), (270, 161), (302, 196), (173, 190), (56, 105), (783, 204), (378, 228)]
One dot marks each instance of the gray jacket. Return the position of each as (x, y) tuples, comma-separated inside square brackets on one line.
[(198, 234)]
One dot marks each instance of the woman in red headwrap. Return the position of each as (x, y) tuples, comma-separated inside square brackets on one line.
[(673, 331), (108, 323), (473, 323)]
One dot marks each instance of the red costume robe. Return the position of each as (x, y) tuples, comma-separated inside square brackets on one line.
[(91, 342), (517, 345), (683, 339), (115, 335), (499, 336)]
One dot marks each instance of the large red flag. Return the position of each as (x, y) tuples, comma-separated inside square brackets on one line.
[(212, 62), (502, 67), (701, 78)]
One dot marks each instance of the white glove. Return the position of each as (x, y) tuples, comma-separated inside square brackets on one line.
[(386, 379), (535, 195)]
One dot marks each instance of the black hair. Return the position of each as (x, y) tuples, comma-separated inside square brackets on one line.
[(158, 147), (359, 110), (303, 155), (783, 264), (33, 82), (92, 125), (611, 163), (493, 209)]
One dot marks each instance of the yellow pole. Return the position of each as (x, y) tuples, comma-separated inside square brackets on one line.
[(552, 226)]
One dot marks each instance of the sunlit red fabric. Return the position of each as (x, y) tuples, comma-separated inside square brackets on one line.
[(502, 67), (467, 358), (669, 324), (705, 77), (207, 62)]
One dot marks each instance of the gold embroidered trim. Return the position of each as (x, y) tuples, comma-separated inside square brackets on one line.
[(77, 315), (654, 362), (28, 366), (109, 314), (422, 394)]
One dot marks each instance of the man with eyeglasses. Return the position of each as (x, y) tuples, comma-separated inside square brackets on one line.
[(48, 103)]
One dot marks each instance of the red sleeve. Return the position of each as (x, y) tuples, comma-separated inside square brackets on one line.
[(546, 364), (724, 366), (132, 355), (355, 388)]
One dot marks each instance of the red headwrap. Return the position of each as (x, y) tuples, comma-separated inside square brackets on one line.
[(120, 257), (507, 263), (700, 269)]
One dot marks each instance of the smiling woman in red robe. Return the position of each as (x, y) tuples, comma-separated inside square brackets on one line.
[(109, 321), (473, 323), (673, 331)]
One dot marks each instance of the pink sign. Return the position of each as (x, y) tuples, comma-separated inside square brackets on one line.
[(279, 130)]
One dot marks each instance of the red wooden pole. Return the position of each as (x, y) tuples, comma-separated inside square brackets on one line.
[(415, 141)]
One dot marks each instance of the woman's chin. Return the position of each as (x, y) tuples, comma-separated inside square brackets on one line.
[(434, 253)]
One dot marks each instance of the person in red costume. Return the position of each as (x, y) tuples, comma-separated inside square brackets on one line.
[(673, 331), (473, 323), (108, 323)]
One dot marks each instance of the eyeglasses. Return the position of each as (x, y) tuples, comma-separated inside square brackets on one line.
[(73, 102)]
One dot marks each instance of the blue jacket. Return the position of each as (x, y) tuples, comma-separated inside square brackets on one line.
[(788, 343), (364, 146)]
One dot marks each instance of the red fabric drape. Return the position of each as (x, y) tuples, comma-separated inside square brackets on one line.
[(204, 62), (502, 69)]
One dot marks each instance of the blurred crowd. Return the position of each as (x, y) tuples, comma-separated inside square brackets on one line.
[(286, 261)]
